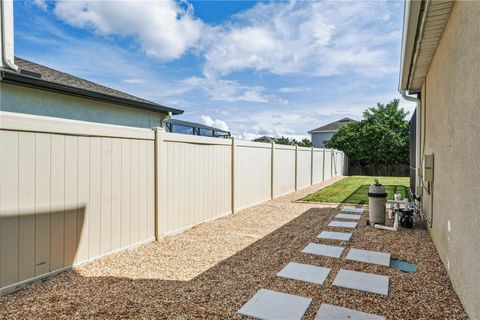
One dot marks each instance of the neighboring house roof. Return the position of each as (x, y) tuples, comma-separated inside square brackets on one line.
[(331, 127), (35, 75), (423, 26), (194, 125), (265, 139)]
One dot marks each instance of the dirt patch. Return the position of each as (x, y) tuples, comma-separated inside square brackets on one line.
[(213, 269)]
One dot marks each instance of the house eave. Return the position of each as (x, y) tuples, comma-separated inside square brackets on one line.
[(27, 81), (423, 26)]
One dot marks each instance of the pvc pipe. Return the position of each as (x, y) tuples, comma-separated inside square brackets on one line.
[(394, 228)]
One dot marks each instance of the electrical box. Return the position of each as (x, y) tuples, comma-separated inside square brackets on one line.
[(428, 167)]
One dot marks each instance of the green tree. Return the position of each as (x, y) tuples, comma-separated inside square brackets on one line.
[(381, 138), (305, 142), (283, 140)]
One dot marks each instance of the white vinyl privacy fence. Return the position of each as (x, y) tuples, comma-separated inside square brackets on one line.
[(201, 178), (73, 191), (70, 192)]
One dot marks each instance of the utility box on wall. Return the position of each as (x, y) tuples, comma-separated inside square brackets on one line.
[(428, 167)]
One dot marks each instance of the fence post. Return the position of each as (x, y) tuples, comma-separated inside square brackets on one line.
[(331, 163), (323, 165), (272, 182), (296, 167), (334, 155), (311, 166), (233, 174), (159, 167)]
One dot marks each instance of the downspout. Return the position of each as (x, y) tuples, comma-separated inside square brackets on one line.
[(418, 158), (7, 40)]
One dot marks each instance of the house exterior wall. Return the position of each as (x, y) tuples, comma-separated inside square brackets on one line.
[(450, 110), (319, 138), (26, 100)]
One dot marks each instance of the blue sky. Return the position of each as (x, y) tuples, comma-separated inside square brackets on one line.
[(257, 68)]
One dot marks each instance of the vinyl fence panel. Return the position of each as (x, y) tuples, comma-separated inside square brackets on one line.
[(252, 173), (283, 170), (194, 181), (328, 164), (304, 167), (61, 193), (317, 168)]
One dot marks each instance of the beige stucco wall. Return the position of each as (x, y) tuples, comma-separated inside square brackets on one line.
[(14, 98), (451, 131)]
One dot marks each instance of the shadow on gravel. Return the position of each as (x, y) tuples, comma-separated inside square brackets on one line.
[(221, 290)]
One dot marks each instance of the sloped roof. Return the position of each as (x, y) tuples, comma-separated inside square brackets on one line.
[(36, 75), (334, 126)]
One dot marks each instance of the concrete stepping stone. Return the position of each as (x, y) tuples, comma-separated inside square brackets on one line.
[(362, 281), (269, 304), (354, 210), (304, 272), (344, 236), (375, 257), (348, 216), (323, 250), (329, 312), (343, 224)]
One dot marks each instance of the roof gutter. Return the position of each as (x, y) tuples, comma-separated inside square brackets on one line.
[(410, 26), (20, 79)]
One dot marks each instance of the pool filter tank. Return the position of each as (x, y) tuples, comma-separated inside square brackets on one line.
[(377, 199)]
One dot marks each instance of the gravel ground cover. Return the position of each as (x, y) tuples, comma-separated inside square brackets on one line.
[(210, 271)]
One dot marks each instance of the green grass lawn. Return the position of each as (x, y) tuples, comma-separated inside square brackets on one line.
[(354, 189)]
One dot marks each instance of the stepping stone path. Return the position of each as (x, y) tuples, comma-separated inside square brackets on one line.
[(343, 224), (375, 257), (323, 250), (355, 210), (269, 304), (344, 236), (348, 216), (329, 312), (362, 281), (304, 272)]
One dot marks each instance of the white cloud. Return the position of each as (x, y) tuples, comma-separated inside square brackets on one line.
[(314, 38), (294, 89), (133, 81), (165, 29), (229, 90), (42, 4), (311, 38), (217, 123)]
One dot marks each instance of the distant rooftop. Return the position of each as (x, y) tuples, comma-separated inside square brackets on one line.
[(35, 75), (265, 139), (334, 126)]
